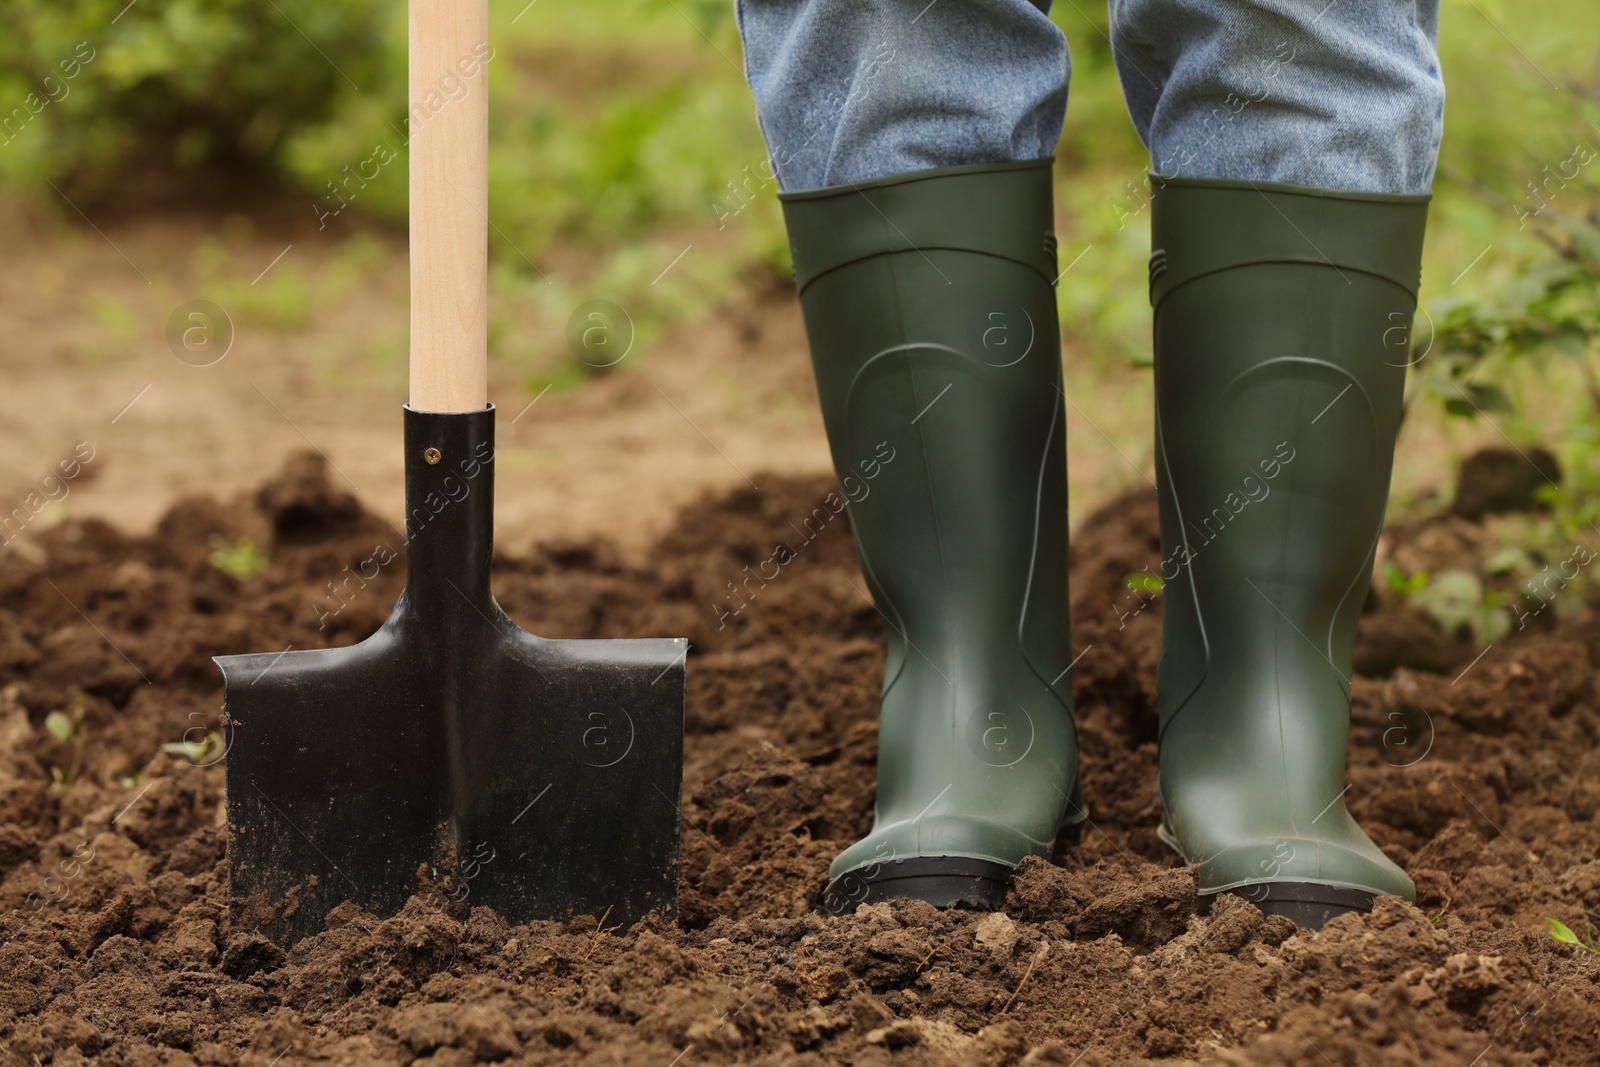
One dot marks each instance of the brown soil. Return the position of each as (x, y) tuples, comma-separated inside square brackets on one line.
[(120, 948), (722, 395), (717, 398)]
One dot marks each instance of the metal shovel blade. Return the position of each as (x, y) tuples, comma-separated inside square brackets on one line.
[(540, 778)]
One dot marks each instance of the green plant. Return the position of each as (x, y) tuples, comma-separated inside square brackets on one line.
[(1402, 584), (1520, 342), (92, 88), (119, 320), (1508, 332), (1548, 307), (1457, 598), (68, 729), (200, 753), (282, 299), (241, 560), (119, 330), (1589, 942), (1144, 581)]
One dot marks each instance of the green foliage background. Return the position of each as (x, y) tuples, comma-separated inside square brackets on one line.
[(173, 82), (622, 132)]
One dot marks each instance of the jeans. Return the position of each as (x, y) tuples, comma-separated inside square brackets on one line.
[(1337, 94)]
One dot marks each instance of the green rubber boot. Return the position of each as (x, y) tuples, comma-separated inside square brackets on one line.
[(1282, 327), (930, 310)]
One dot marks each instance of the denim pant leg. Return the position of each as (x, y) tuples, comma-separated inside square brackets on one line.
[(851, 90), (1338, 94)]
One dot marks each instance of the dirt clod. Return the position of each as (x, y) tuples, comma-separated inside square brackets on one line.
[(1504, 479)]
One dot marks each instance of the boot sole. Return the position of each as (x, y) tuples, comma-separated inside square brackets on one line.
[(943, 881), (1307, 904)]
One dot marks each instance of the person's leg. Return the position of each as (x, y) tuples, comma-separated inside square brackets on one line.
[(912, 141), (849, 91), (1332, 94), (1292, 149)]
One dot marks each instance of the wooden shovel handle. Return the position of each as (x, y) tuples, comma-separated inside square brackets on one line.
[(448, 134)]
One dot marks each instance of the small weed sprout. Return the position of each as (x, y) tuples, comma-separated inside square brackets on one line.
[(241, 560), (200, 753), (1455, 598), (68, 729), (1563, 933), (1144, 582), (1400, 583)]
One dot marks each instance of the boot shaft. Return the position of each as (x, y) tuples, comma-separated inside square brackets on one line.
[(1282, 326), (931, 316)]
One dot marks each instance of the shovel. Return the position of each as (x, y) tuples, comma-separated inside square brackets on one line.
[(452, 748)]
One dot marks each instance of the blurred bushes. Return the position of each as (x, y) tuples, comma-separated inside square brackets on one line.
[(605, 122), (93, 89), (613, 125), (660, 145), (621, 132)]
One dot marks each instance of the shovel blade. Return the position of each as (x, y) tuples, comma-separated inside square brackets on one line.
[(540, 778)]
